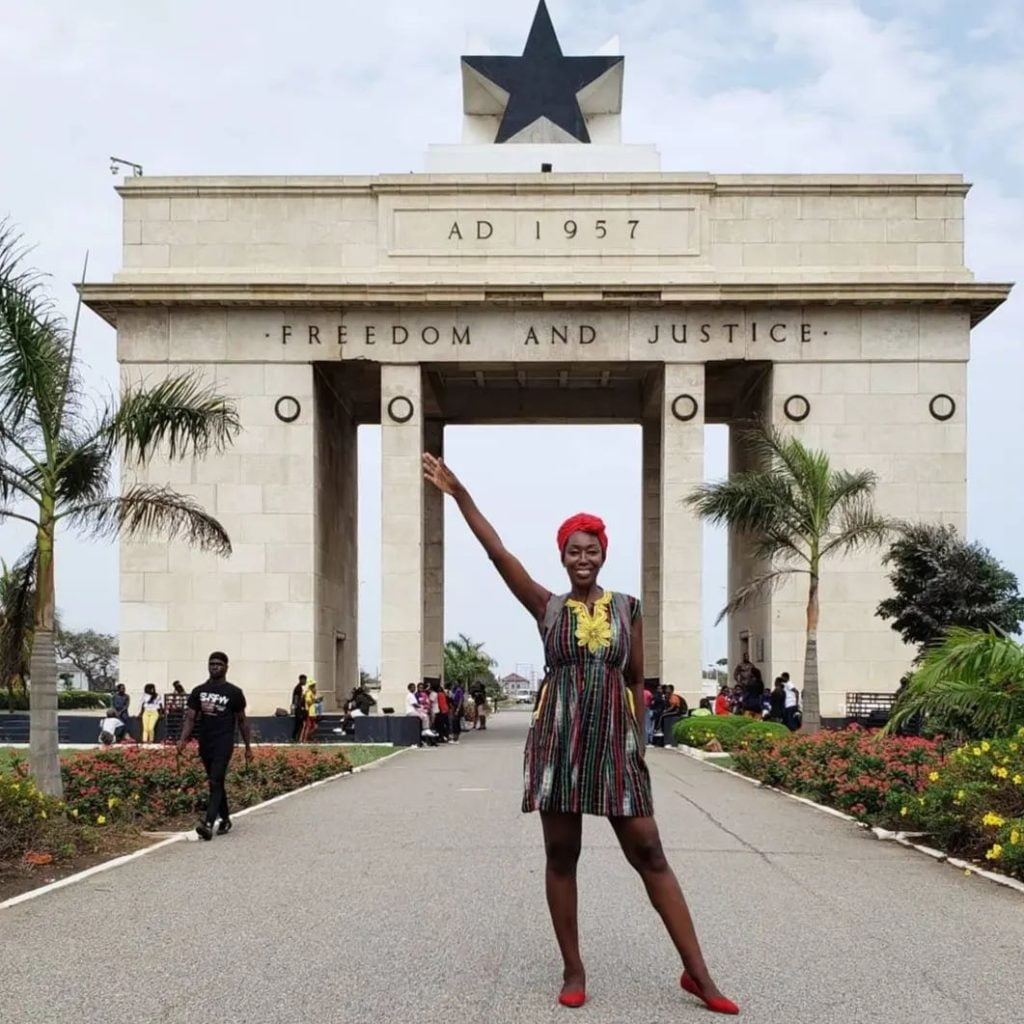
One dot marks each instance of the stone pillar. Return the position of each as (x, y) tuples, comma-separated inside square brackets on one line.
[(651, 527), (401, 515), (337, 577), (433, 560), (682, 469)]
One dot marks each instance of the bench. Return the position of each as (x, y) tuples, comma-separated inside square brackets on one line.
[(870, 710)]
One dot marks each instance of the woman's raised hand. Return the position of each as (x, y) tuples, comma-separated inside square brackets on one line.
[(439, 474)]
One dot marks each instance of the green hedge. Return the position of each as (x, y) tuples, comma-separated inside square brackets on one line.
[(67, 700), (731, 731)]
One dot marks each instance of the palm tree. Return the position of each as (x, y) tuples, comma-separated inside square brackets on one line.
[(797, 511), (58, 452), (466, 661), (970, 685)]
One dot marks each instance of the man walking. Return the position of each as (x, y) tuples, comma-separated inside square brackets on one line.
[(299, 709), (218, 706)]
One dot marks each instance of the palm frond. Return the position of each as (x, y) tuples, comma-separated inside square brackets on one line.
[(973, 679), (145, 510), (758, 587), (84, 471), (17, 610), (180, 414), (847, 486), (859, 527), (35, 358), (753, 502)]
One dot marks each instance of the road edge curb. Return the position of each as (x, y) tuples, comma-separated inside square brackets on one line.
[(881, 834)]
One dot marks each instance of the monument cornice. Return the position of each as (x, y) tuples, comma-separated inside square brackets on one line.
[(548, 184), (107, 299)]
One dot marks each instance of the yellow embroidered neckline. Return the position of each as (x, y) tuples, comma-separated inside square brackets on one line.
[(593, 629)]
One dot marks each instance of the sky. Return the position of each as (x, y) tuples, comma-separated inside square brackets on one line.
[(317, 87)]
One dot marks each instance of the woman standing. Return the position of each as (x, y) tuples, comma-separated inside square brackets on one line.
[(152, 706), (585, 752)]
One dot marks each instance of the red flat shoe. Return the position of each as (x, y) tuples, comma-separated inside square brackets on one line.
[(574, 1000), (717, 1005)]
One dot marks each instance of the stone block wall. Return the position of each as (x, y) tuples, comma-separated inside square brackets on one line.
[(875, 415)]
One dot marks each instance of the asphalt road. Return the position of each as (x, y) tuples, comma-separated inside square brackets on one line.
[(414, 893)]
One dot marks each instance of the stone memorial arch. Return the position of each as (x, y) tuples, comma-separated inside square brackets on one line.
[(540, 272)]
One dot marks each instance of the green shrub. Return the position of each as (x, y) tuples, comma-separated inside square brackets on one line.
[(30, 821), (753, 731), (699, 732), (67, 700)]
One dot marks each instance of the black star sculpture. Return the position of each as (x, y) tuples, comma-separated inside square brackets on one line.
[(542, 83)]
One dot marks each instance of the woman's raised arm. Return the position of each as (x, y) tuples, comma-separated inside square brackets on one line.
[(529, 592)]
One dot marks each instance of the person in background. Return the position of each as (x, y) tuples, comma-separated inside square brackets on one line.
[(309, 698), (362, 699), (111, 728), (676, 702), (151, 710), (298, 709), (457, 702), (217, 707), (648, 714), (723, 701), (753, 694), (479, 695), (442, 721), (177, 688), (777, 700), (791, 716), (120, 702), (703, 710)]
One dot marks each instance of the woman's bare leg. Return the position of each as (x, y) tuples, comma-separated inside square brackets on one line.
[(563, 835), (641, 844)]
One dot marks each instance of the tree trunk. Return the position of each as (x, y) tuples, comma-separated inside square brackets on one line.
[(44, 757), (810, 698)]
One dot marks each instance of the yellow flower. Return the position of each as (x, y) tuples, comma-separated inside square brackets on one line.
[(42, 814), (1020, 732), (993, 820), (1014, 837), (986, 746), (112, 802), (995, 853), (960, 795), (101, 819), (903, 812), (1003, 773), (1013, 748), (1018, 780), (593, 629), (933, 776), (976, 751), (74, 812)]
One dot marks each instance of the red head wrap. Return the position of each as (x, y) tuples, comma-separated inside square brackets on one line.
[(582, 523)]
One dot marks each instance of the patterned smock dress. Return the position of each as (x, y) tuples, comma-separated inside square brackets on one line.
[(583, 753)]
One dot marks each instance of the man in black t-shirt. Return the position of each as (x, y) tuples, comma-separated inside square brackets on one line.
[(217, 706)]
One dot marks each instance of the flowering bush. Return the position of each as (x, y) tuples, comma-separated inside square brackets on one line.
[(152, 786), (866, 774), (973, 805), (31, 823)]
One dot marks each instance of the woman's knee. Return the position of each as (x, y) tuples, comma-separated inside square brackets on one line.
[(562, 856), (646, 855)]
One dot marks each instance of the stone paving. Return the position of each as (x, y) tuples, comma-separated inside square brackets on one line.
[(415, 893)]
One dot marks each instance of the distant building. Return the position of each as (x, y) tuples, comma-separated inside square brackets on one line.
[(517, 687)]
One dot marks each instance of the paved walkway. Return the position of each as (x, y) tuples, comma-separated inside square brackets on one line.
[(414, 893)]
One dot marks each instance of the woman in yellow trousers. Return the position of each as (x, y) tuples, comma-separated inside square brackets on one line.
[(152, 705)]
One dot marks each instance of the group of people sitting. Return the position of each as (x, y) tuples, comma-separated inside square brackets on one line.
[(446, 711), (750, 697)]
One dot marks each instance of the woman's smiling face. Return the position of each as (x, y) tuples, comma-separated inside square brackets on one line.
[(582, 559)]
